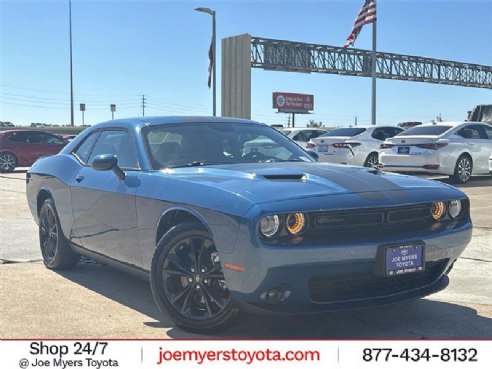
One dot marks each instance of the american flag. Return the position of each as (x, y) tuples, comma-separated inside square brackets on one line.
[(366, 15), (211, 58)]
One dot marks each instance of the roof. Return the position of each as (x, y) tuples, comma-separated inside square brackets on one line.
[(151, 121), (451, 123)]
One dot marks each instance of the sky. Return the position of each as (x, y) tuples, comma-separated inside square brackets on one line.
[(128, 48)]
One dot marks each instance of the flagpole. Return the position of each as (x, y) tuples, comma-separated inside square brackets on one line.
[(214, 36), (373, 108)]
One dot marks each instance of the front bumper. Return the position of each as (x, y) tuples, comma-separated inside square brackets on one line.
[(340, 275)]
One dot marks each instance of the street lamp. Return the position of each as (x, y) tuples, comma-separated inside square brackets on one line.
[(71, 74), (212, 13)]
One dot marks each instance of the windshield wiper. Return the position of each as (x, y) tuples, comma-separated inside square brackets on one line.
[(199, 163)]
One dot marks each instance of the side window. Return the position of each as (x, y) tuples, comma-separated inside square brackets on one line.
[(120, 144), (299, 137), (378, 134), (470, 132), (310, 134), (488, 132), (396, 131), (19, 137), (84, 150), (46, 138)]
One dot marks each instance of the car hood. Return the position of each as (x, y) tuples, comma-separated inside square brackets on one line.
[(270, 182)]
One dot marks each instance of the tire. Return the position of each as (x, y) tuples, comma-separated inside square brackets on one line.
[(372, 160), (8, 162), (55, 249), (462, 170), (187, 281)]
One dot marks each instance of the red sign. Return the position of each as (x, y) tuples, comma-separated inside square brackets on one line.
[(290, 102)]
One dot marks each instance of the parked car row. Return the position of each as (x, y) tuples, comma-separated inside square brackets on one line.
[(459, 150)]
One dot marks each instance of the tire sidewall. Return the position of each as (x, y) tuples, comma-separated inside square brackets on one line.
[(166, 243), (366, 163), (64, 256)]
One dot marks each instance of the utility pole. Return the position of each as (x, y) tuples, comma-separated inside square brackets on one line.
[(143, 105)]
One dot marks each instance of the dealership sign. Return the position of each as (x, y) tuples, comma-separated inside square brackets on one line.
[(293, 103)]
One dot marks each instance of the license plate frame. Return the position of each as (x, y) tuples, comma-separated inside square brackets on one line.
[(403, 150), (323, 148), (404, 259)]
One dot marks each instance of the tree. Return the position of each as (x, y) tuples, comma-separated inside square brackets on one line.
[(313, 124)]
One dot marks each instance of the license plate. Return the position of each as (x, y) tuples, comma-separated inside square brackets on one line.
[(323, 148), (405, 150), (404, 259)]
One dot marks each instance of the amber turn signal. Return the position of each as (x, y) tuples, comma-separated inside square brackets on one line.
[(437, 210), (295, 223)]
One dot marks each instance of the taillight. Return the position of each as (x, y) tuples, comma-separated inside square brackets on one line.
[(345, 145), (310, 145), (431, 146), (385, 146)]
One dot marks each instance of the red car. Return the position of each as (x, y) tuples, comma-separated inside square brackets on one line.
[(21, 148)]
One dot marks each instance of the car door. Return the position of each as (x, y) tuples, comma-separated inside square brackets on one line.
[(477, 143), (20, 143), (48, 144), (103, 204)]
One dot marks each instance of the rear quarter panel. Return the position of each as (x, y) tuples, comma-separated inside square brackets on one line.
[(53, 175)]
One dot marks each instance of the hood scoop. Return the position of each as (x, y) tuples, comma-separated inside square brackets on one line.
[(285, 177)]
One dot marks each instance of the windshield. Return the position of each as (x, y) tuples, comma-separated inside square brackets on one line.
[(425, 131), (197, 144), (344, 132)]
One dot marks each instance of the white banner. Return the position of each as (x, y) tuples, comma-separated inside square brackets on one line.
[(241, 354)]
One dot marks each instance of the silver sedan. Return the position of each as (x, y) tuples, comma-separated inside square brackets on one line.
[(459, 150)]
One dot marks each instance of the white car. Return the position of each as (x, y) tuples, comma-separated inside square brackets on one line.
[(354, 146), (459, 150), (490, 164), (302, 135)]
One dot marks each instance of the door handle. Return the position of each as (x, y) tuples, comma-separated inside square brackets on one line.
[(79, 179)]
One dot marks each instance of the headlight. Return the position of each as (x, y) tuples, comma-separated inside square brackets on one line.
[(295, 223), (269, 225), (454, 208), (437, 210)]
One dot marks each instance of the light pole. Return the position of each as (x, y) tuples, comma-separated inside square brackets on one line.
[(212, 13), (71, 75)]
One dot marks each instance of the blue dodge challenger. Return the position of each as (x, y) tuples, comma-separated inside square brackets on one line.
[(223, 213)]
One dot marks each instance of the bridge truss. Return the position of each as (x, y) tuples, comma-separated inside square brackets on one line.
[(292, 56)]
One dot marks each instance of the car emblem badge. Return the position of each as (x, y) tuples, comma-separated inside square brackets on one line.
[(403, 141)]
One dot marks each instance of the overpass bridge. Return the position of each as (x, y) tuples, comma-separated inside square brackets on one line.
[(242, 53)]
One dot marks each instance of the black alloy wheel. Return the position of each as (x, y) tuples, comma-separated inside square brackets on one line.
[(8, 162), (187, 280), (55, 250)]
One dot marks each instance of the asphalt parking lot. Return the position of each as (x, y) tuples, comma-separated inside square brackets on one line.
[(94, 301)]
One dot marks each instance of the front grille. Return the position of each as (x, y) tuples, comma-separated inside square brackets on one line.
[(342, 288), (410, 217)]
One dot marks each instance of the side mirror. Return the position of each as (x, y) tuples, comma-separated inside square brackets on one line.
[(107, 162), (312, 154)]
